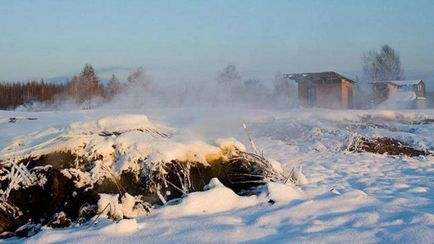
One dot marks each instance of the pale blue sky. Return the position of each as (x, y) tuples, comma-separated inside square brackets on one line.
[(184, 40)]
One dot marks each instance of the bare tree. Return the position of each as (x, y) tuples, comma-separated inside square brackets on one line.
[(138, 77), (138, 87), (390, 64), (230, 84), (383, 65), (282, 85), (253, 89), (284, 90), (370, 65), (229, 77)]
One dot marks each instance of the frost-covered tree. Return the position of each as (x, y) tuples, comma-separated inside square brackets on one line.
[(370, 65), (138, 77), (113, 86), (138, 87), (383, 65), (254, 92), (284, 90), (229, 77), (73, 89), (230, 84), (85, 87), (90, 83)]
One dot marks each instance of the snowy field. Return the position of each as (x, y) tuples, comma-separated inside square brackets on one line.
[(346, 197)]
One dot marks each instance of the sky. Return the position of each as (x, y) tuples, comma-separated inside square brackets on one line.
[(194, 39)]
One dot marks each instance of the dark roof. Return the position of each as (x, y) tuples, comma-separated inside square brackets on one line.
[(318, 76)]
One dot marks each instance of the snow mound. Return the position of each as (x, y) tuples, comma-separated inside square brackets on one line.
[(125, 226), (119, 143), (217, 198), (130, 147), (110, 205), (280, 192), (119, 124), (89, 138), (401, 99), (230, 144)]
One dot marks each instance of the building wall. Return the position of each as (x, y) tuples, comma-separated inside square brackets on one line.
[(302, 93), (391, 89), (421, 95), (328, 95), (347, 95), (383, 91), (420, 89)]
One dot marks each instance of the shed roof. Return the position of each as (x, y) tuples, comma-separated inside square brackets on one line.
[(400, 82), (317, 76)]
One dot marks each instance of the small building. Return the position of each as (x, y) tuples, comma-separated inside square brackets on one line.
[(324, 89), (405, 94)]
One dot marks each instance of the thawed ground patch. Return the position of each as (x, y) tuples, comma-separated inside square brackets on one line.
[(349, 195)]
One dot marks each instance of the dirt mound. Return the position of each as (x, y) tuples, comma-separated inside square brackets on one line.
[(51, 189), (384, 145)]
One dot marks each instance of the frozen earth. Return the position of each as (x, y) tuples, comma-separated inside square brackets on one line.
[(344, 196)]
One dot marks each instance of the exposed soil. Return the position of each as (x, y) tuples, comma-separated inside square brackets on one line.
[(382, 145), (59, 202)]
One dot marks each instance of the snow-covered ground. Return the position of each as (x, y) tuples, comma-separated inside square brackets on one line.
[(347, 197)]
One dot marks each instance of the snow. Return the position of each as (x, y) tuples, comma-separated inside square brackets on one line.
[(401, 82), (403, 96), (229, 144), (110, 205), (216, 199), (406, 82), (115, 144), (280, 192), (123, 227), (345, 196)]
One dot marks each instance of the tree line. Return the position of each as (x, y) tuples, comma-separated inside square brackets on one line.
[(84, 89), (17, 93), (87, 91)]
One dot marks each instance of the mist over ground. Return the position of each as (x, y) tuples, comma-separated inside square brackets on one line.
[(195, 91), (138, 89)]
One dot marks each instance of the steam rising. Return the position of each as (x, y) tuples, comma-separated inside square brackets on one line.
[(228, 88)]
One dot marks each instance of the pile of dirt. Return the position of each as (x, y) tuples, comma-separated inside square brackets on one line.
[(52, 190), (384, 145), (48, 193)]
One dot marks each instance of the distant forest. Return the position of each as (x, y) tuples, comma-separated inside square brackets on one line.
[(87, 91), (82, 89), (14, 94)]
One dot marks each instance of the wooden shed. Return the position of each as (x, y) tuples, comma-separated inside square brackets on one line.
[(401, 93), (324, 89)]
